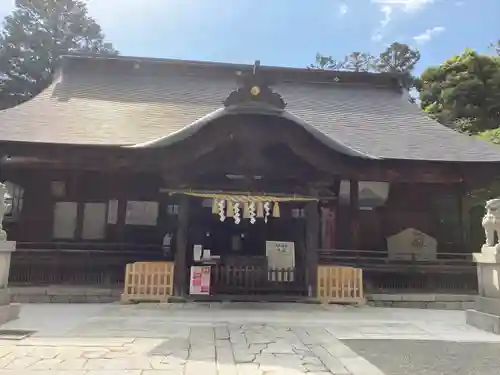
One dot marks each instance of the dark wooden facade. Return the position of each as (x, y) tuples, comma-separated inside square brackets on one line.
[(287, 159), (253, 137)]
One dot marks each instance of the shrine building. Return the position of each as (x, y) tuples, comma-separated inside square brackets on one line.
[(127, 159)]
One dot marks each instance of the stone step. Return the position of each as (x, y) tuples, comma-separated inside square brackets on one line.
[(488, 305), (486, 322)]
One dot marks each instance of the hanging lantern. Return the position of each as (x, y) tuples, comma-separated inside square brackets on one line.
[(251, 212), (260, 210), (221, 205), (229, 208), (236, 213), (276, 210), (215, 206), (267, 211)]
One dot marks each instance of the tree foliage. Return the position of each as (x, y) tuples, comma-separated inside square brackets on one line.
[(326, 63), (463, 92), (35, 36), (396, 58), (360, 62), (492, 135), (496, 47)]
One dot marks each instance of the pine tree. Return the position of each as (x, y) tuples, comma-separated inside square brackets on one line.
[(35, 36)]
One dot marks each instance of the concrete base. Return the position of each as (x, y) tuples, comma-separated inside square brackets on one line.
[(9, 312), (482, 320), (488, 305)]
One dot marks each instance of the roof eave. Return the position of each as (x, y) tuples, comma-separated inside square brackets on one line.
[(259, 109)]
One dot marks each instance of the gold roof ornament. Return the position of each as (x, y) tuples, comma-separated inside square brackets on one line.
[(254, 87), (255, 90)]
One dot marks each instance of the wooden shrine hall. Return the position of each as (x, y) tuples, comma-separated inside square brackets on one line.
[(247, 169)]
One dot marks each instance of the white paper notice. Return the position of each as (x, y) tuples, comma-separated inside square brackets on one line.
[(113, 211), (280, 256), (141, 213)]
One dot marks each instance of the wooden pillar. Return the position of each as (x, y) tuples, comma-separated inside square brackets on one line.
[(312, 242), (464, 220), (354, 213), (180, 270)]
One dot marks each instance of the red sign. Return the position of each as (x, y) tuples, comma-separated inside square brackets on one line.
[(200, 280)]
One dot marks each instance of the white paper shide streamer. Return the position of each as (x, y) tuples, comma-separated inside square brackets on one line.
[(267, 211), (236, 213), (222, 206), (251, 209)]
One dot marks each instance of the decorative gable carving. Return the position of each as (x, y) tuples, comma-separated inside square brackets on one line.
[(254, 87)]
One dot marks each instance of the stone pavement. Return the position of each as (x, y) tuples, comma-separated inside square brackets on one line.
[(218, 339)]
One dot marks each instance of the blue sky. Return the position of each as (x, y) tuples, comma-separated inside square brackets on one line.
[(290, 32)]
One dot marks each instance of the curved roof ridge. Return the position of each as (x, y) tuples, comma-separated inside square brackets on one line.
[(197, 125)]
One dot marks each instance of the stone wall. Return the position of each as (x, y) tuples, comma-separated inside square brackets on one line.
[(423, 301), (64, 294)]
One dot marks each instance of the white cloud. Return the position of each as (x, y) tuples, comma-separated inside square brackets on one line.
[(387, 10), (391, 7), (343, 8), (405, 5), (428, 34)]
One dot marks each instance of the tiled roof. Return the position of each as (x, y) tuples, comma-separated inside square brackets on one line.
[(97, 107)]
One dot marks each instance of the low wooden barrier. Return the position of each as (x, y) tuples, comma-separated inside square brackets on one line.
[(148, 281), (256, 279), (340, 284)]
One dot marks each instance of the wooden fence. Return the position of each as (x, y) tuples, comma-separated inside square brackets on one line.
[(256, 279), (340, 284), (148, 281)]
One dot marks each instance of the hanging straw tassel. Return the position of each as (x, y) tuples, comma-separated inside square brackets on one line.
[(276, 210), (229, 209), (260, 209), (215, 206), (246, 211)]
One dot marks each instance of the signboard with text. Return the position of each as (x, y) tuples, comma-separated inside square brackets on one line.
[(199, 281)]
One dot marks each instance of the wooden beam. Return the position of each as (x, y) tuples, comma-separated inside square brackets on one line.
[(312, 245), (180, 270), (354, 213)]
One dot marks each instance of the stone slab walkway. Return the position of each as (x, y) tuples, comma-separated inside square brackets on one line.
[(217, 339)]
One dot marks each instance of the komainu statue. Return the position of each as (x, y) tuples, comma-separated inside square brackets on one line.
[(491, 221), (4, 206)]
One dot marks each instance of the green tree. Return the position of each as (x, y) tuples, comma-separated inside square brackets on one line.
[(492, 135), (326, 63), (35, 36), (398, 58), (496, 47), (360, 62), (463, 92)]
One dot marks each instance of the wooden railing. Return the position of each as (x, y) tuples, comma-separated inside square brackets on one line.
[(449, 273), (148, 281), (255, 279), (340, 284), (76, 264), (378, 259)]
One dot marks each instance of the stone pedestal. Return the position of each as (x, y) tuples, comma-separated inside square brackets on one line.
[(8, 311), (486, 315)]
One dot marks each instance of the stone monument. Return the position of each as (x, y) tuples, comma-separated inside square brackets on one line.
[(8, 311), (486, 315)]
